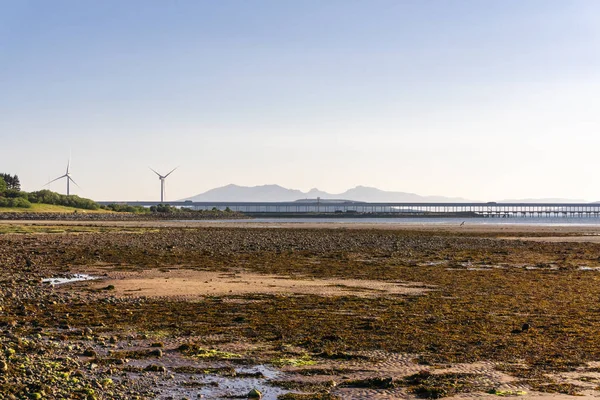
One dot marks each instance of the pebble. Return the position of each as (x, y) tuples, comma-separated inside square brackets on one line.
[(255, 394)]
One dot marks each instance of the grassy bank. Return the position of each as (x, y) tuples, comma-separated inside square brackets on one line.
[(50, 208)]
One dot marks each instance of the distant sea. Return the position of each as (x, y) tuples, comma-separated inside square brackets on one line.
[(566, 221)]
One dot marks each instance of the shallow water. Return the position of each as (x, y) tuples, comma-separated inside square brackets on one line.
[(192, 386), (70, 279), (542, 221), (585, 268)]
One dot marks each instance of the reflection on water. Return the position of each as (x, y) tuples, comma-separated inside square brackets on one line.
[(566, 221), (70, 279), (214, 386)]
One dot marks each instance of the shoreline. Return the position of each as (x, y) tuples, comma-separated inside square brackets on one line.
[(503, 228)]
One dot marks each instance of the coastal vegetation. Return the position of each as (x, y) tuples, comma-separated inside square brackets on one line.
[(159, 209), (39, 208), (11, 196)]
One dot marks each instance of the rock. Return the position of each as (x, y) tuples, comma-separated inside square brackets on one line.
[(156, 353), (255, 394), (3, 366), (89, 352), (155, 368), (184, 347)]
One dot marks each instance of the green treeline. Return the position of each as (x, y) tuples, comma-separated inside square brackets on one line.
[(125, 208), (11, 195), (49, 197), (14, 198)]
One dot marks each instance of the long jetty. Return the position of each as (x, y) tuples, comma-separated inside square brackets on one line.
[(351, 208)]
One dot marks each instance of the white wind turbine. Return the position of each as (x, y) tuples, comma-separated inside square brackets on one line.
[(162, 182), (68, 176)]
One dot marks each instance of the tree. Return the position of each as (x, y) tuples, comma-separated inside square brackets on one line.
[(12, 181), (3, 185), (16, 184)]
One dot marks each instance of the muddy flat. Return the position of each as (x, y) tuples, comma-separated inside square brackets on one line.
[(322, 313)]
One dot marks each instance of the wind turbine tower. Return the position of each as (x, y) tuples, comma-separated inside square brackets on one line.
[(162, 182), (68, 176)]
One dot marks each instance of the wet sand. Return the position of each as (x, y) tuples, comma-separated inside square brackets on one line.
[(192, 284)]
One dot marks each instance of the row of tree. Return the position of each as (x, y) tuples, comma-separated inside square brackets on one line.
[(12, 196), (125, 208)]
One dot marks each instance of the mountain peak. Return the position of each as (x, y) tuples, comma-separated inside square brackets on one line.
[(361, 187)]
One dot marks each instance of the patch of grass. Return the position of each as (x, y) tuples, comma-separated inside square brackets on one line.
[(507, 393), (51, 208), (293, 362), (194, 350)]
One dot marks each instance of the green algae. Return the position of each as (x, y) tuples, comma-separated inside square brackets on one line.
[(303, 361)]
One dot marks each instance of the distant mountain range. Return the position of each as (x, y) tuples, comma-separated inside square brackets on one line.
[(279, 193), (266, 193)]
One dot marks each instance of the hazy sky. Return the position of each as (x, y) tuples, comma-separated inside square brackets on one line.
[(481, 99)]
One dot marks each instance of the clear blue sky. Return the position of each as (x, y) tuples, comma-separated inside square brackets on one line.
[(480, 99)]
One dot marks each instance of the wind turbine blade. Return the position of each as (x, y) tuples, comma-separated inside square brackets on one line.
[(53, 180), (71, 179), (171, 171), (68, 165), (156, 172)]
